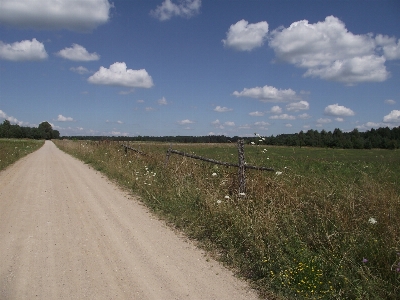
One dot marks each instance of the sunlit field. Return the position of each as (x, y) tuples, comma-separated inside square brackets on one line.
[(323, 225), (13, 149)]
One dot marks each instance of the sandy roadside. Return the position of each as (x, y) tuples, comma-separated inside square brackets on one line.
[(66, 232)]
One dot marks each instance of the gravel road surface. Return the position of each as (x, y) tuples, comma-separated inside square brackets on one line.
[(66, 232)]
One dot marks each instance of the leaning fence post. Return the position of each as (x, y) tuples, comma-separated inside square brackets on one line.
[(168, 154), (241, 171)]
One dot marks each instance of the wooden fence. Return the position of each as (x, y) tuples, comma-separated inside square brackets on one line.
[(241, 165)]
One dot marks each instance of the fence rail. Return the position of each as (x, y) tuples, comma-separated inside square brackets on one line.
[(241, 165), (133, 149), (217, 162)]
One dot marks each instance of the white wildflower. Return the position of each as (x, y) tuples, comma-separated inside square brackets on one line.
[(252, 143), (219, 201), (214, 174), (242, 194), (278, 173), (227, 197), (372, 220)]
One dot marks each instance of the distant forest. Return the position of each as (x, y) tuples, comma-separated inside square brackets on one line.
[(43, 131), (384, 138)]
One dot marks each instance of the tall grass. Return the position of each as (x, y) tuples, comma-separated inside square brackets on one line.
[(13, 149), (324, 226)]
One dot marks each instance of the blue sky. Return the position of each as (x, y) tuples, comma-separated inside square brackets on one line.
[(200, 67)]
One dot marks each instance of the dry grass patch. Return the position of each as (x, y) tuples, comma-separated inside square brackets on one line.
[(326, 226)]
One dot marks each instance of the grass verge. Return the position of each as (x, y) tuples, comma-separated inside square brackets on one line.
[(13, 149), (324, 226)]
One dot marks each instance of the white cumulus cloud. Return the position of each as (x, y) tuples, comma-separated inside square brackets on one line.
[(329, 51), (283, 117), (276, 109), (262, 123), (12, 120), (119, 75), (162, 101), (245, 37), (184, 8), (338, 110), (370, 125), (389, 46), (229, 123), (78, 53), (80, 70), (185, 122), (324, 121), (390, 101), (256, 114), (304, 116), (392, 117), (268, 94), (296, 106), (222, 109), (77, 15), (23, 51), (61, 118)]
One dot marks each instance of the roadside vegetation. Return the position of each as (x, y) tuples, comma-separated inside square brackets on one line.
[(13, 149), (324, 225)]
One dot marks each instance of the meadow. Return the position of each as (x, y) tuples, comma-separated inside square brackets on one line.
[(323, 225), (13, 149)]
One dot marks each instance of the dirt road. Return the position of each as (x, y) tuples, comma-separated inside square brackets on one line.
[(66, 232)]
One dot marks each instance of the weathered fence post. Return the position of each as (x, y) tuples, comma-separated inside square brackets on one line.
[(242, 168), (168, 154)]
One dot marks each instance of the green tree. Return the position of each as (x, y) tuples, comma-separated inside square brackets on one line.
[(5, 130), (46, 130)]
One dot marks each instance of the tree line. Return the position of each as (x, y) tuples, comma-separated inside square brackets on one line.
[(384, 138), (43, 131)]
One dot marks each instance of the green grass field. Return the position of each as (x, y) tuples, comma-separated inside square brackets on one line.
[(324, 225), (13, 149)]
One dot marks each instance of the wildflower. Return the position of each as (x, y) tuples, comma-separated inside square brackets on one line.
[(372, 220), (227, 197), (130, 162), (278, 173), (214, 174), (242, 194), (365, 260), (252, 143), (219, 201)]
